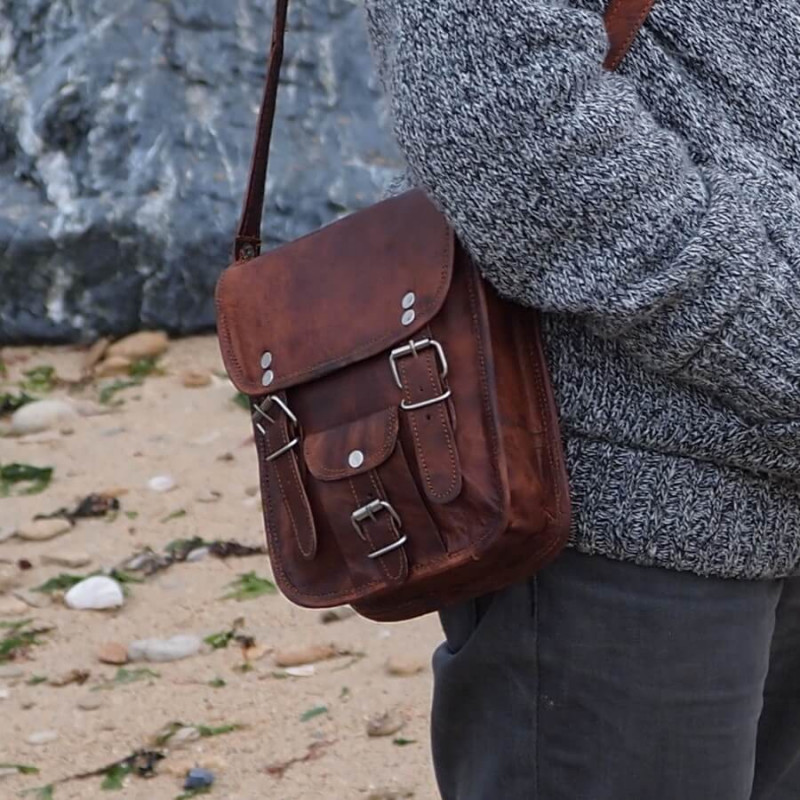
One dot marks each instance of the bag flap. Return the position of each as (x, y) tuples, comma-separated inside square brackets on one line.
[(352, 448), (336, 296)]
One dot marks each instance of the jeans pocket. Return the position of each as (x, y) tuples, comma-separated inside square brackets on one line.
[(460, 621)]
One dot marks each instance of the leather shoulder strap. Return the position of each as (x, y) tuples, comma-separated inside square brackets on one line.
[(623, 20)]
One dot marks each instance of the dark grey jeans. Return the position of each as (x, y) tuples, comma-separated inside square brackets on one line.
[(598, 680)]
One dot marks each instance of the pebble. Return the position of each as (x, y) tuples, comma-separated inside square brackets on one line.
[(336, 615), (172, 649), (96, 593), (12, 607), (90, 703), (94, 354), (384, 724), (114, 365), (208, 496), (296, 657), (113, 653), (42, 737), (41, 530), (162, 483), (41, 415), (11, 671), (401, 667), (71, 560), (9, 578), (198, 778), (32, 599), (145, 344), (4, 693), (195, 379), (198, 554), (7, 532)]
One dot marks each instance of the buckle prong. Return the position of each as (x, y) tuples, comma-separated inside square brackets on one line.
[(260, 412), (412, 349), (368, 512)]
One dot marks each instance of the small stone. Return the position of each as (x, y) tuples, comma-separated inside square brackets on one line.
[(295, 657), (79, 676), (384, 724), (198, 778), (336, 615), (12, 607), (208, 496), (42, 737), (7, 532), (113, 653), (114, 365), (33, 599), (70, 560), (304, 671), (172, 649), (252, 491), (162, 483), (401, 667), (198, 554), (94, 354), (96, 593), (41, 415), (10, 672), (90, 703), (195, 379), (145, 344), (4, 693), (41, 530), (9, 578)]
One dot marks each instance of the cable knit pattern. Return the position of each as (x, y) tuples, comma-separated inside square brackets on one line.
[(653, 216)]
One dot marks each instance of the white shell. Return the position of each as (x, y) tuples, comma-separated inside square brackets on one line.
[(161, 483), (95, 593), (173, 649), (41, 415)]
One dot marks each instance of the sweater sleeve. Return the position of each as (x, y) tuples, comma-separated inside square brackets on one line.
[(573, 200)]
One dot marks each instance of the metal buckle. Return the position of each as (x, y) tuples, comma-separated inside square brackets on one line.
[(368, 512), (260, 413), (412, 349)]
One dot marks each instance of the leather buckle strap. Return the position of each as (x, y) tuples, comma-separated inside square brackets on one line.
[(414, 348), (261, 415), (288, 496), (420, 369), (369, 511)]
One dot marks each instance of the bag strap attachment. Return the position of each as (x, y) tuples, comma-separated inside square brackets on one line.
[(623, 19)]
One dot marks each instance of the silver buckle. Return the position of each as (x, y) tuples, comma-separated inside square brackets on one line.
[(260, 412), (368, 512), (412, 349)]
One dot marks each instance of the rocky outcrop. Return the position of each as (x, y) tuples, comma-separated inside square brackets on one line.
[(125, 134)]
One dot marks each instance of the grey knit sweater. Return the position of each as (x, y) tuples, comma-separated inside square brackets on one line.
[(654, 216)]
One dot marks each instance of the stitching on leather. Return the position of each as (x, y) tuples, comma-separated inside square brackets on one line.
[(276, 470), (413, 416), (301, 495), (402, 564), (231, 351), (380, 563), (389, 440)]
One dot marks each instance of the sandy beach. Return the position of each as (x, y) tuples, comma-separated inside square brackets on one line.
[(243, 705)]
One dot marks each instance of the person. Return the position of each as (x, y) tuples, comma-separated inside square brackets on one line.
[(652, 216)]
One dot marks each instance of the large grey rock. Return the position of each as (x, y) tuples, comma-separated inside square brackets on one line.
[(125, 134)]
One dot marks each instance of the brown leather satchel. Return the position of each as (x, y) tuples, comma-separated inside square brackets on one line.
[(407, 437)]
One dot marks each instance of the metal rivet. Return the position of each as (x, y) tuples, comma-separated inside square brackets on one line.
[(267, 378), (266, 360), (355, 459), (247, 252), (409, 316), (409, 300)]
